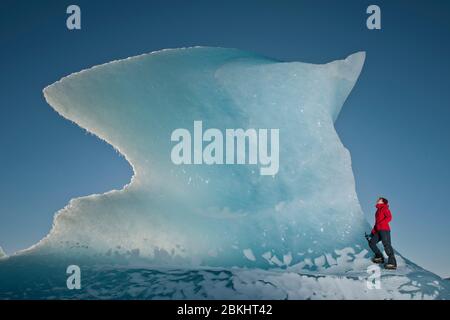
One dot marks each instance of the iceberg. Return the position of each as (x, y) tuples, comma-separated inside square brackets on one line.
[(211, 214), (222, 226)]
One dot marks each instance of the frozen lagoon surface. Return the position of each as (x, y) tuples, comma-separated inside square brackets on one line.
[(213, 231), (43, 277)]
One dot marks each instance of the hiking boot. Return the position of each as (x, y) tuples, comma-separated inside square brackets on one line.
[(378, 260), (390, 266)]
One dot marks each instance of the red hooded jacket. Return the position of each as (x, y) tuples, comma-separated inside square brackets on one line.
[(382, 218)]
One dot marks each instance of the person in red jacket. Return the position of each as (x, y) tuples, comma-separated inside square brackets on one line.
[(382, 232)]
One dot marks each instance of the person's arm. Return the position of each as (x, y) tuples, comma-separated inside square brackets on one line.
[(387, 215), (374, 229)]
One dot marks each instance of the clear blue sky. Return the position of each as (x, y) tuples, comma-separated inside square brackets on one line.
[(395, 123)]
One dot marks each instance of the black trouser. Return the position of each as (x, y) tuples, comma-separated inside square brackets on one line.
[(385, 238)]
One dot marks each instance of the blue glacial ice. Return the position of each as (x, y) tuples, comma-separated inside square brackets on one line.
[(215, 215), (225, 230)]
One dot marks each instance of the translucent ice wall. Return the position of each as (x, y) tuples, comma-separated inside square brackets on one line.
[(219, 215)]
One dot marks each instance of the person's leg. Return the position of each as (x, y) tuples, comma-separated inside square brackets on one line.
[(386, 240), (373, 245)]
